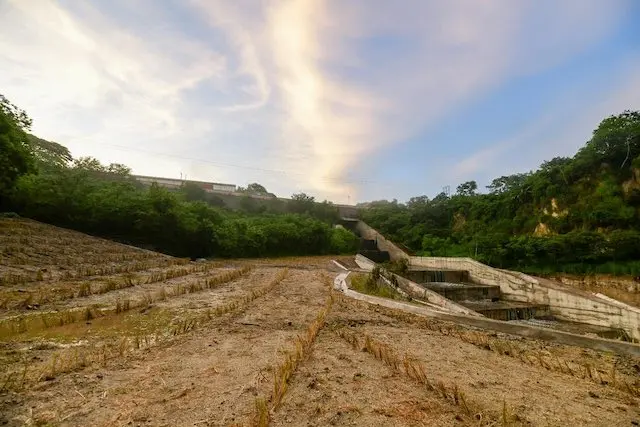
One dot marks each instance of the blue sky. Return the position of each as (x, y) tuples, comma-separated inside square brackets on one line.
[(348, 101)]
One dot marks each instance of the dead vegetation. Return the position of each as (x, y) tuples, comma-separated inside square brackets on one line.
[(210, 344), (37, 322), (410, 367), (75, 358), (302, 347), (598, 371)]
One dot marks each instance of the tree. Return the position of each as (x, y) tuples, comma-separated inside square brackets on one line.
[(467, 188), (90, 164), (507, 183), (193, 192), (255, 188), (302, 197), (301, 203), (49, 154), (15, 155), (616, 140), (250, 205), (119, 169)]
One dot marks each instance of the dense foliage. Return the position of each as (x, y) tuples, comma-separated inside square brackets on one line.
[(579, 214), (43, 182), (15, 156)]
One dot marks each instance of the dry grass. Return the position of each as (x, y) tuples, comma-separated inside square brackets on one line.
[(66, 291), (32, 323), (302, 348), (368, 284), (73, 359), (86, 271), (410, 367), (597, 371)]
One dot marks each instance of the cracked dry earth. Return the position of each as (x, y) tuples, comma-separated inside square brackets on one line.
[(157, 366)]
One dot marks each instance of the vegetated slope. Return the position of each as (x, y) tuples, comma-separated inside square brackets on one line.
[(578, 214), (106, 201), (40, 179)]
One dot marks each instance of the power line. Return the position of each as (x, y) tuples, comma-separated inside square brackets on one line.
[(233, 165)]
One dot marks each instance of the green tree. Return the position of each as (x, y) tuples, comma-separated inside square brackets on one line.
[(49, 154), (468, 188), (301, 203), (193, 192), (15, 155), (256, 188)]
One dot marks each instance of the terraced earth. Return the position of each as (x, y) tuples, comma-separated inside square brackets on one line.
[(94, 333)]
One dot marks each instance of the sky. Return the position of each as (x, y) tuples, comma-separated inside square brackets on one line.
[(348, 101)]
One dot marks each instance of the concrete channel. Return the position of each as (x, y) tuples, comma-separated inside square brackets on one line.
[(512, 328)]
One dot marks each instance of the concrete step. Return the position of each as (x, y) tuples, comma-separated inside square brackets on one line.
[(464, 292), (368, 245), (506, 310), (421, 275)]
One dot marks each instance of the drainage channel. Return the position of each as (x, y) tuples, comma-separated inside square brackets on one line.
[(487, 300)]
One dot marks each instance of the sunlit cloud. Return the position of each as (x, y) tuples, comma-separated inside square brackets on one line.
[(294, 94)]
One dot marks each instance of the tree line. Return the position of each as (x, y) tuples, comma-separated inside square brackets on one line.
[(577, 214), (40, 179)]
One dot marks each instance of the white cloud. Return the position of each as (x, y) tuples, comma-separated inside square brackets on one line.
[(304, 86)]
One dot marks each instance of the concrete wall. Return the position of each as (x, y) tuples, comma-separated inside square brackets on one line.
[(427, 276), (364, 262), (347, 211), (418, 292), (566, 304), (413, 290), (177, 183), (533, 332), (367, 232)]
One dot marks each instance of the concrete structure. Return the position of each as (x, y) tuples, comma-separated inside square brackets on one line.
[(347, 211), (364, 263), (413, 290), (172, 183), (507, 310), (366, 232), (464, 292), (565, 303), (437, 276), (619, 347), (427, 295)]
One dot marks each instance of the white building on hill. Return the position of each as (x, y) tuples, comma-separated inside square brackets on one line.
[(211, 187)]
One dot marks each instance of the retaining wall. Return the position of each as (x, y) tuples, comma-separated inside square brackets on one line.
[(566, 304), (418, 292), (364, 262), (414, 290), (533, 332)]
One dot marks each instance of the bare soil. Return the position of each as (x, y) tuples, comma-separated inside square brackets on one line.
[(203, 358)]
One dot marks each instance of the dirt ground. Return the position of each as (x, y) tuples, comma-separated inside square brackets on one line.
[(208, 354)]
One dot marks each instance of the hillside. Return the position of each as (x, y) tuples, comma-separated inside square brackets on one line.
[(40, 179), (98, 333), (578, 214)]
